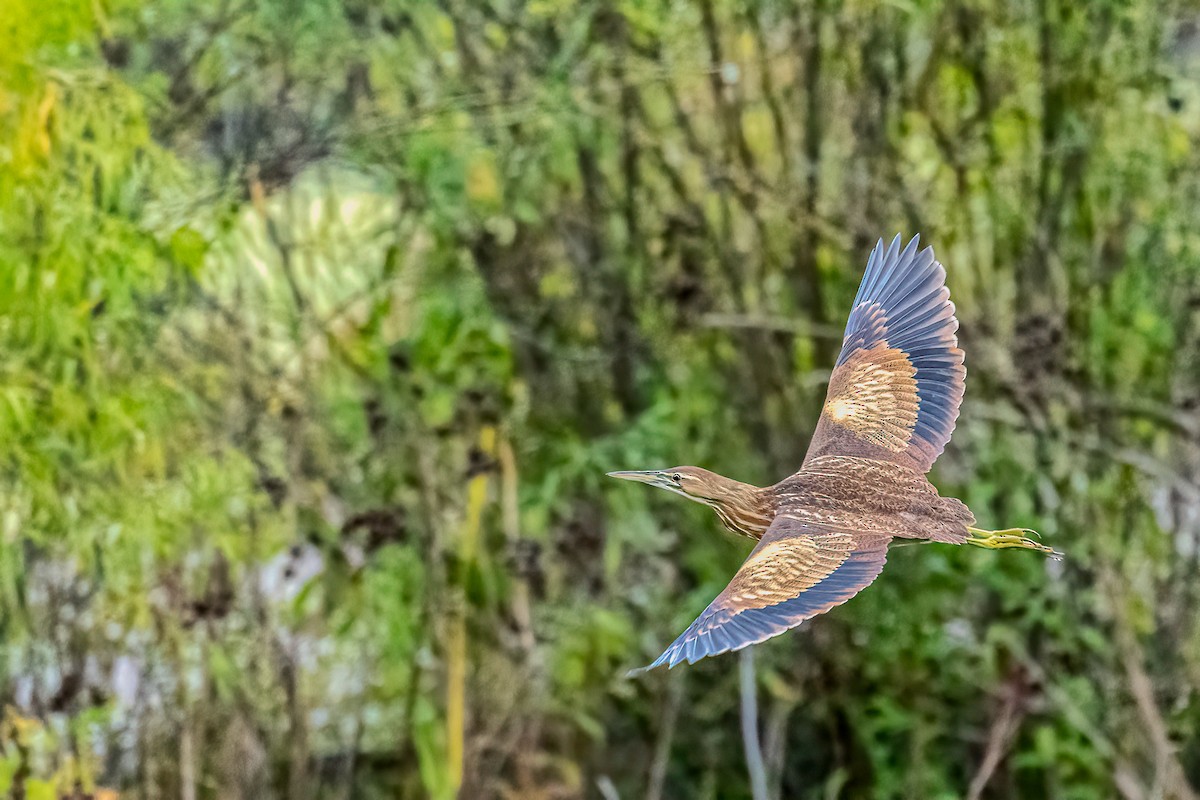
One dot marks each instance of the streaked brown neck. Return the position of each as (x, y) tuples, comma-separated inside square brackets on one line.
[(743, 508)]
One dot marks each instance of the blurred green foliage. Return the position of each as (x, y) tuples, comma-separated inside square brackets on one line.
[(321, 323)]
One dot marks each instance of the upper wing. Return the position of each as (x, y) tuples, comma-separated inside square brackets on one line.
[(895, 390), (797, 571)]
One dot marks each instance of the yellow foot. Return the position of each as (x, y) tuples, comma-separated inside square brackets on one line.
[(1009, 537)]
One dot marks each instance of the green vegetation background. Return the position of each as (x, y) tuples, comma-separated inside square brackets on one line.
[(321, 322)]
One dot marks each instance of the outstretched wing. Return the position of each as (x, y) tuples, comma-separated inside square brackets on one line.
[(895, 391), (797, 571)]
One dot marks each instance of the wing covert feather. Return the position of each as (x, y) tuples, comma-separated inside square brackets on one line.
[(796, 572), (895, 391)]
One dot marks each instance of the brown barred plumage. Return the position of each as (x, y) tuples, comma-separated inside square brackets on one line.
[(823, 532)]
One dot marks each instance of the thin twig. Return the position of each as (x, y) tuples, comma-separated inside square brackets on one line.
[(1170, 777), (607, 788), (666, 735), (779, 324), (1002, 732), (754, 758)]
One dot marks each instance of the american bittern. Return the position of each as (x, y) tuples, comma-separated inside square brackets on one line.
[(823, 532)]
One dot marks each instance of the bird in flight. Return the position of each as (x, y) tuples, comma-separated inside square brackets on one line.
[(823, 532)]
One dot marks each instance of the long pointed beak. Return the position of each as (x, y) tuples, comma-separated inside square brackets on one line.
[(650, 476)]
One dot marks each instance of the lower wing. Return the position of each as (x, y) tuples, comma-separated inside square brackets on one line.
[(797, 571)]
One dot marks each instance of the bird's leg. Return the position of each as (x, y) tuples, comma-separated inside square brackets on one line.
[(1009, 537)]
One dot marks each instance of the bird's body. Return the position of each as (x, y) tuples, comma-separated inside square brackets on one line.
[(850, 491), (823, 532)]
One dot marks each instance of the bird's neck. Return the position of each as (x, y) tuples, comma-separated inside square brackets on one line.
[(745, 509)]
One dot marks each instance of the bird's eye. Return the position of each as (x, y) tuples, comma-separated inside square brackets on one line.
[(677, 478)]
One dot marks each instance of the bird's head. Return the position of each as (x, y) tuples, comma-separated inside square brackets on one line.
[(742, 508), (691, 482)]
